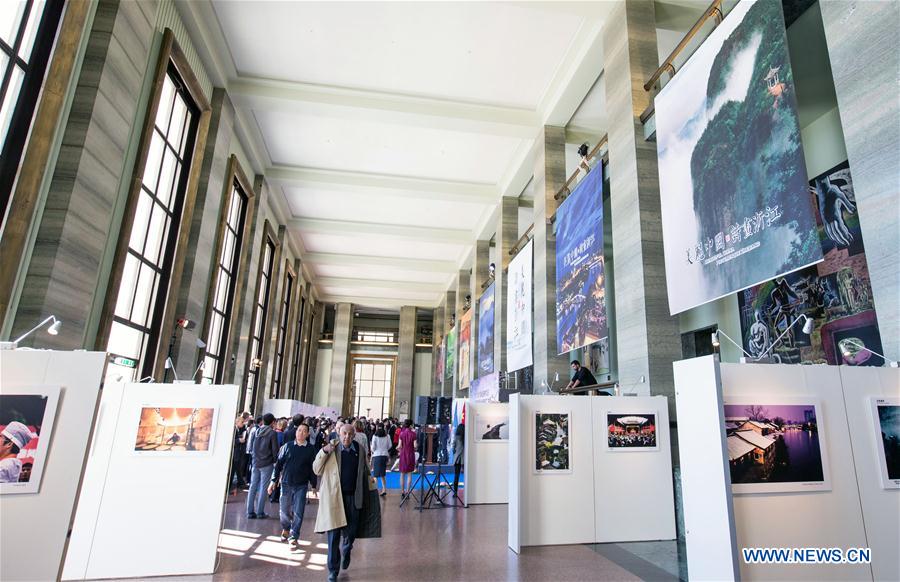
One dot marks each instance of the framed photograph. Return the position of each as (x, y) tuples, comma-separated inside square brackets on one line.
[(776, 446), (170, 431), (631, 432), (886, 417), (492, 427), (26, 424), (552, 443)]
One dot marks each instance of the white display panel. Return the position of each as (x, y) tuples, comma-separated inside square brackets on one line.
[(515, 474), (709, 518), (880, 506), (181, 497), (815, 519), (487, 461), (635, 500), (34, 526), (552, 505)]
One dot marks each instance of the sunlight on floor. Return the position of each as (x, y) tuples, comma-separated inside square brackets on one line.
[(272, 549)]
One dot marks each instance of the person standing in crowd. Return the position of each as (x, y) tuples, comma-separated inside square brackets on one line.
[(14, 438), (265, 452), (407, 448), (360, 437), (293, 468), (459, 450), (280, 425), (290, 433), (252, 426), (237, 454), (381, 447), (582, 376), (343, 479)]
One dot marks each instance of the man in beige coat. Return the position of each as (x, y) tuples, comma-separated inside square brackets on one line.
[(343, 479)]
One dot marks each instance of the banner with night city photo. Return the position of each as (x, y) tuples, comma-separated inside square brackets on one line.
[(580, 274)]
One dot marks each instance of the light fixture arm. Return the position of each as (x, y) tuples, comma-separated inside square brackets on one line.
[(37, 327), (784, 333), (890, 363), (719, 332)]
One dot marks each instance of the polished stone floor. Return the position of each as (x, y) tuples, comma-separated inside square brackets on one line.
[(434, 545)]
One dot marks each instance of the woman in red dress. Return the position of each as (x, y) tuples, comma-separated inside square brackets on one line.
[(407, 447)]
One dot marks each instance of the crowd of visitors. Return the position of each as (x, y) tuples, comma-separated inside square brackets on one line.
[(336, 462)]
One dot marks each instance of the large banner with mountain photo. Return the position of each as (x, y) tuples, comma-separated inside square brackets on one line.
[(732, 177)]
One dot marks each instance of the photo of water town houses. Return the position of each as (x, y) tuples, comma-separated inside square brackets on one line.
[(773, 443)]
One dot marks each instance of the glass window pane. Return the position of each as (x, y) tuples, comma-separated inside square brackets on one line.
[(155, 234), (154, 157), (145, 287), (167, 176), (367, 371), (139, 225), (125, 341), (126, 291), (165, 105), (378, 389), (10, 17), (176, 129), (9, 101), (34, 20)]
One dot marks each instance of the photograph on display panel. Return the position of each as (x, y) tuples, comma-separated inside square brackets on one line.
[(580, 268), (518, 310), (174, 431), (552, 444), (631, 432), (886, 417), (486, 332), (733, 183), (775, 447), (836, 293), (465, 349), (26, 429), (492, 426)]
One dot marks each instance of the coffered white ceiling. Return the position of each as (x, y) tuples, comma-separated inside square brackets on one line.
[(393, 129)]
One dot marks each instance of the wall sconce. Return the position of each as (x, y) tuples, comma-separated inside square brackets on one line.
[(52, 330)]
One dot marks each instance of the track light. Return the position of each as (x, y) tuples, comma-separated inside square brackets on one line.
[(715, 339), (52, 330), (847, 352)]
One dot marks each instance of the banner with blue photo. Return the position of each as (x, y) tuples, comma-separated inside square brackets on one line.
[(486, 332), (580, 275)]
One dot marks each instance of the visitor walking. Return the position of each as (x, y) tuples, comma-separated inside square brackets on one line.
[(407, 447), (381, 450), (343, 480), (265, 452), (459, 449), (293, 470)]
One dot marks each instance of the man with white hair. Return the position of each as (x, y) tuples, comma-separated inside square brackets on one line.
[(14, 438)]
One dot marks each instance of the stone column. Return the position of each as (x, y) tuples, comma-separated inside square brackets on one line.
[(862, 42), (507, 235), (437, 334), (647, 337), (406, 354), (201, 259), (309, 383), (343, 327), (549, 178)]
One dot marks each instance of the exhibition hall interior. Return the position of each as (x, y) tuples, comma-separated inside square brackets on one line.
[(466, 291)]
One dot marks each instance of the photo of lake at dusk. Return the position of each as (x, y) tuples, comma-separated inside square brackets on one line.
[(774, 444)]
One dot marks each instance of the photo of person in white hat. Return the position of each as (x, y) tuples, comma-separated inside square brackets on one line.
[(14, 438)]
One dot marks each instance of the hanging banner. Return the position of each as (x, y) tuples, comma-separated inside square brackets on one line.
[(836, 293), (518, 310), (732, 176), (486, 332), (485, 388), (450, 365), (580, 273), (465, 348)]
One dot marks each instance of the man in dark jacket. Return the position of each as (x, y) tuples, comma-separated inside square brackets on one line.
[(294, 468), (290, 433), (265, 451)]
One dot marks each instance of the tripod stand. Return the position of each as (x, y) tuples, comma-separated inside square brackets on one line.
[(429, 491)]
